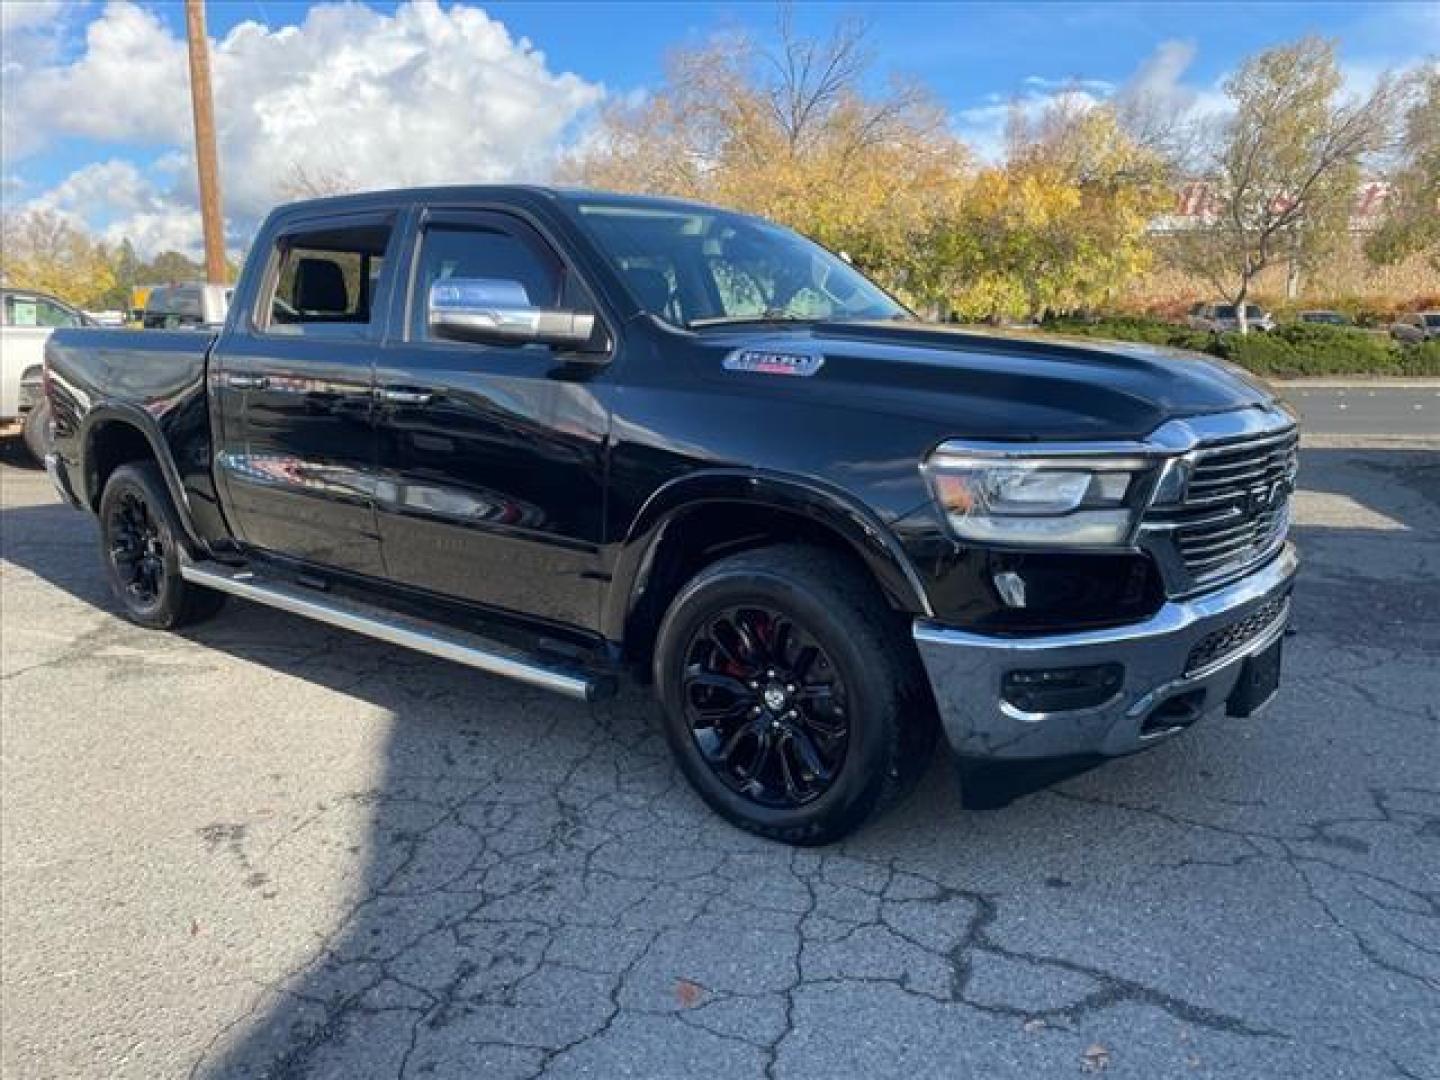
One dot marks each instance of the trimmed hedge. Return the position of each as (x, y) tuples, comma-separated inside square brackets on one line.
[(1294, 349)]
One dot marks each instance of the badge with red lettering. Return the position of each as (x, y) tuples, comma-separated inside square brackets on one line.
[(774, 362)]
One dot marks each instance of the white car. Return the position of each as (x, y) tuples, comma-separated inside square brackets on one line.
[(27, 319)]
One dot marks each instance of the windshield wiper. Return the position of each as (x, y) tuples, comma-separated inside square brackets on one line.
[(772, 315)]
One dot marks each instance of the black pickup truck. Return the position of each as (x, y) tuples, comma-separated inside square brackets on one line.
[(560, 436)]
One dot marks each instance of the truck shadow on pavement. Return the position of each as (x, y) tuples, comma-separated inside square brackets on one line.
[(542, 893)]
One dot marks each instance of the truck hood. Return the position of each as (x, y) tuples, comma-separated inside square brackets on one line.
[(1006, 385)]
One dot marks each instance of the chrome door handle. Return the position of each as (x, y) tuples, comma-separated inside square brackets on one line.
[(247, 382), (397, 396)]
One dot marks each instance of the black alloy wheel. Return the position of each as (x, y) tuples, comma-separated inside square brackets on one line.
[(137, 549), (140, 536), (766, 706), (792, 695)]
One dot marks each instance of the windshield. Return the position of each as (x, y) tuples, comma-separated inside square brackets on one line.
[(693, 267), (1433, 319)]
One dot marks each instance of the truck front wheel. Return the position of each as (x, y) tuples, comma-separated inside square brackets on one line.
[(793, 700), (140, 535)]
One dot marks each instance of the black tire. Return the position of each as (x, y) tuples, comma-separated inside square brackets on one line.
[(140, 546), (864, 648), (36, 431)]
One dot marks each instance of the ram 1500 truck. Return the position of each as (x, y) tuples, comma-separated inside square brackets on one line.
[(560, 436)]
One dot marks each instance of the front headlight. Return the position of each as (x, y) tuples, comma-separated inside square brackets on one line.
[(1051, 501)]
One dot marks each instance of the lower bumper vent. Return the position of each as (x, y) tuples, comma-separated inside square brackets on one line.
[(1221, 643)]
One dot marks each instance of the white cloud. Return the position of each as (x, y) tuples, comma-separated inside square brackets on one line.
[(423, 95), (1158, 82), (983, 127), (119, 201), (116, 184), (1094, 86), (1159, 77), (129, 84), (28, 15), (170, 228)]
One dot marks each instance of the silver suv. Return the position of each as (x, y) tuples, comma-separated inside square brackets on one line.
[(1416, 327), (1221, 318)]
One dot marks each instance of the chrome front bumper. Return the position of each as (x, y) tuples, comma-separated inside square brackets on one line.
[(966, 670)]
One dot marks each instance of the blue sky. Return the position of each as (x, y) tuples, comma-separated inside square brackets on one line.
[(964, 51), (120, 161)]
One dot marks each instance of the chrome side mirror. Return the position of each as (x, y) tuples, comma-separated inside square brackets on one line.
[(494, 311)]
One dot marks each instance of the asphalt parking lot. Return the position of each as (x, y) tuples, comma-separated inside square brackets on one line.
[(270, 849)]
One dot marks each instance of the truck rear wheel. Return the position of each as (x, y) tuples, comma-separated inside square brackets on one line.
[(792, 700), (141, 549)]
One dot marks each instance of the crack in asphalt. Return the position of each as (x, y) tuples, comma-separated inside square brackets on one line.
[(542, 895)]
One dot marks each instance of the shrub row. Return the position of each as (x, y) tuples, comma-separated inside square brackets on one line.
[(1295, 349)]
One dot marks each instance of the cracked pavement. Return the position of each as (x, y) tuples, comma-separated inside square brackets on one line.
[(269, 849)]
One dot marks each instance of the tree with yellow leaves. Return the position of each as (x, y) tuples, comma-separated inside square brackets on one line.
[(785, 129), (43, 250), (1060, 225)]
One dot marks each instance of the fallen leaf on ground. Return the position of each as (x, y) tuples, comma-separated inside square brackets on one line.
[(688, 992)]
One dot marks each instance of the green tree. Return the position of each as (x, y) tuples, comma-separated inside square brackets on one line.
[(1412, 212), (125, 269), (171, 267), (1283, 168)]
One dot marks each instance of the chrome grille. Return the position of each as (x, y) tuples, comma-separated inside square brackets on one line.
[(1236, 507)]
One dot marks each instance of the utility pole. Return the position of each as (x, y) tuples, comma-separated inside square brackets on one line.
[(205, 158)]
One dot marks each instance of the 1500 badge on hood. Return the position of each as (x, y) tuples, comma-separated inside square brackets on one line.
[(772, 362)]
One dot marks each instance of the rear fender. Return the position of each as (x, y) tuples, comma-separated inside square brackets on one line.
[(92, 430)]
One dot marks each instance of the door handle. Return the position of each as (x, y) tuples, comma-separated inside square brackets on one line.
[(247, 382), (396, 395)]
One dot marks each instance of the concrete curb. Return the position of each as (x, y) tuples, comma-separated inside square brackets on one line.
[(1378, 441), (1361, 382)]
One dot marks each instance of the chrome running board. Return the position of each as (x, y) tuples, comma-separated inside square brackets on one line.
[(409, 633)]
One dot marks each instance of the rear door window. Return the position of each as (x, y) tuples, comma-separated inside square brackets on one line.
[(327, 280)]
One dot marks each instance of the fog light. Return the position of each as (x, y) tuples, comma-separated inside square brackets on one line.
[(1059, 689), (1011, 587)]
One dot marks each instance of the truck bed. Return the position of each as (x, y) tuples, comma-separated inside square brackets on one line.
[(153, 379), (141, 367)]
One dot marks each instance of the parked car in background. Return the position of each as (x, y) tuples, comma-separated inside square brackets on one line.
[(27, 319), (177, 307), (561, 435), (1416, 327), (1326, 318), (1222, 319)]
